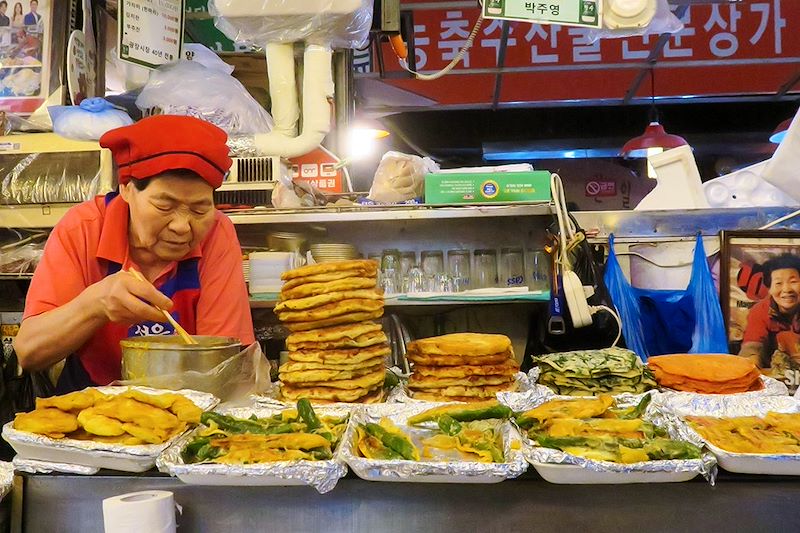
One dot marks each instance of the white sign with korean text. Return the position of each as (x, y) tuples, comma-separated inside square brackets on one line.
[(150, 31), (564, 12)]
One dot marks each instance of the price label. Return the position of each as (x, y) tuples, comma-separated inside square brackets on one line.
[(564, 12), (150, 31)]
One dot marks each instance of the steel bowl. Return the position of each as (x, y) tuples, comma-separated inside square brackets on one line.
[(159, 355)]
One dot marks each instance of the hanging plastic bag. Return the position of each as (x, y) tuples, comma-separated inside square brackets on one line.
[(656, 322), (662, 21), (189, 88), (89, 120), (400, 177)]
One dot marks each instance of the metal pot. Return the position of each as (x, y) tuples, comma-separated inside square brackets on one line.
[(160, 355)]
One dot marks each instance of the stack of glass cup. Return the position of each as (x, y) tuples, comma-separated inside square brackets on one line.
[(400, 272)]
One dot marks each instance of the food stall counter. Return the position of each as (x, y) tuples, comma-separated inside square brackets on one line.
[(53, 502)]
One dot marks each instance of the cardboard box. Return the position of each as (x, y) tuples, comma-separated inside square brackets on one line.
[(489, 187)]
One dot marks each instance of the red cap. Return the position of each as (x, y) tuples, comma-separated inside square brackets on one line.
[(169, 142)]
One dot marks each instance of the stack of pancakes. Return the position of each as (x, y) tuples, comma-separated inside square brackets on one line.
[(465, 367), (706, 374), (336, 350)]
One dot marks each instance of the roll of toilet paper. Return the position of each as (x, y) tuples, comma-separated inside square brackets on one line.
[(150, 510)]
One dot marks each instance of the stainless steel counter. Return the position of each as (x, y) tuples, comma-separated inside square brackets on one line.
[(744, 503)]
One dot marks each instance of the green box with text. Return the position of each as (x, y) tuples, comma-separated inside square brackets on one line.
[(487, 187)]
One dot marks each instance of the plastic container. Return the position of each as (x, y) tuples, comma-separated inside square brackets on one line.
[(266, 269)]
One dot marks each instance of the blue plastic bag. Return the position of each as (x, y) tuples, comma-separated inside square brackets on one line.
[(89, 120), (656, 322)]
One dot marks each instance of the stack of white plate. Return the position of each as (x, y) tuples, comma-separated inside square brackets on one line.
[(324, 253)]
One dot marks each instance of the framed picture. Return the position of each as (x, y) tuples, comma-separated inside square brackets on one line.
[(33, 37), (760, 297)]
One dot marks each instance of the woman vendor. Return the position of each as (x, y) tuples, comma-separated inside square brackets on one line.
[(161, 222)]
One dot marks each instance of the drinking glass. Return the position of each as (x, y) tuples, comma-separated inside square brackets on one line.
[(443, 283), (512, 267), (485, 272), (414, 281), (390, 271), (537, 270), (432, 262), (408, 260), (458, 267)]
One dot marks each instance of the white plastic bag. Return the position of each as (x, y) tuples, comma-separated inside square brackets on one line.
[(89, 120), (190, 88), (333, 23), (400, 177), (663, 21)]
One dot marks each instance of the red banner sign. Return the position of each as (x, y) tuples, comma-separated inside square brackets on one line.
[(747, 48)]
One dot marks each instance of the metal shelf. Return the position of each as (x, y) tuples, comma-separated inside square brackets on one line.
[(11, 276), (32, 216), (367, 214), (678, 224), (394, 302)]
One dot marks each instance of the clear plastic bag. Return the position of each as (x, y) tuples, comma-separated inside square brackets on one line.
[(232, 381), (89, 120), (206, 57), (400, 177), (333, 23), (31, 179), (23, 256), (663, 21), (190, 88)]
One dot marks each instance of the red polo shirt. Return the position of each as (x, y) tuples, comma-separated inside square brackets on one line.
[(93, 236)]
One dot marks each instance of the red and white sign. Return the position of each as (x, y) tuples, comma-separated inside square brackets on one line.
[(596, 188), (738, 48), (318, 168)]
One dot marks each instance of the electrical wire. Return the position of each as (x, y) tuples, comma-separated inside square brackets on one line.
[(596, 308), (567, 229), (458, 57), (782, 219)]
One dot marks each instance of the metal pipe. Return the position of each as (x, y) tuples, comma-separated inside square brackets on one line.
[(344, 100)]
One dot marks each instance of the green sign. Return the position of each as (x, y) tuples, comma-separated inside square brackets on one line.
[(487, 187), (200, 29), (565, 12)]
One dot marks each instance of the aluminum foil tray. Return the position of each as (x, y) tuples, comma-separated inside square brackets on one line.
[(730, 406), (137, 458), (322, 475), (560, 467), (6, 478), (33, 466), (445, 469)]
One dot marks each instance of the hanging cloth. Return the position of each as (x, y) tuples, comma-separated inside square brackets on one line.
[(656, 322)]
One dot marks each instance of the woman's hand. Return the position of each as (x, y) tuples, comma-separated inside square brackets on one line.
[(123, 299)]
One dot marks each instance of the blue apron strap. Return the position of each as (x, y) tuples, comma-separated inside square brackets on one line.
[(110, 196)]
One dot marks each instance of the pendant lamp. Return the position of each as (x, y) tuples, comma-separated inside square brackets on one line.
[(654, 139), (780, 132)]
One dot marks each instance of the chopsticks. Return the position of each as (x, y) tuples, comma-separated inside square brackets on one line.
[(178, 328)]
